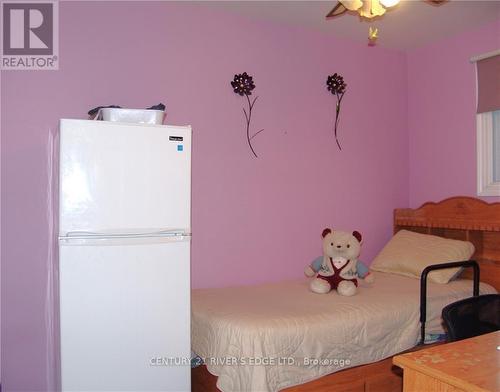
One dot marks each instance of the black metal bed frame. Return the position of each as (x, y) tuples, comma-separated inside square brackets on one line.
[(423, 287)]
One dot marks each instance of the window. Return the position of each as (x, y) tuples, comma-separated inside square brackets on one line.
[(488, 124), (496, 146), (488, 153)]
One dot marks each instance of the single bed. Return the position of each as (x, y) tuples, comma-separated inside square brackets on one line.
[(274, 336)]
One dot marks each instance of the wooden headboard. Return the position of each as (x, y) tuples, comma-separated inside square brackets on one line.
[(461, 218)]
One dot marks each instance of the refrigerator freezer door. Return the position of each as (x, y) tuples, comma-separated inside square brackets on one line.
[(124, 177), (125, 316)]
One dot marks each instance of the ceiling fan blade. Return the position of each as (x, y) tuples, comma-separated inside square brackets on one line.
[(337, 10), (437, 2)]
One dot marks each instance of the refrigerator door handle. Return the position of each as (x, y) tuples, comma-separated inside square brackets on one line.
[(130, 234), (123, 240)]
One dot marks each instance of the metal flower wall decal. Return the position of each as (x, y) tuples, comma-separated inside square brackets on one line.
[(336, 85), (243, 85)]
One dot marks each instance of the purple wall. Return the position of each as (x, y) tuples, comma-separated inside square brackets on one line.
[(441, 115), (254, 220)]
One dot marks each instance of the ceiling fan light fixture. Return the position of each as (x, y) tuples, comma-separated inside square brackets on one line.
[(371, 8), (352, 5), (389, 3), (376, 8), (367, 8)]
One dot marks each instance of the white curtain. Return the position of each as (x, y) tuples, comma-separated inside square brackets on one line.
[(496, 146)]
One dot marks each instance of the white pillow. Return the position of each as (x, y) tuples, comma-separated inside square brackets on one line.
[(408, 253)]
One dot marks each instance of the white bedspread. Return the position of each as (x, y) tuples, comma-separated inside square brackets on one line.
[(272, 336)]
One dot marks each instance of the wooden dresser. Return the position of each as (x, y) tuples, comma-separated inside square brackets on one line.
[(467, 365)]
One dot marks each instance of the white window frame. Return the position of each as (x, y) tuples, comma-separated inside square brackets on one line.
[(485, 184)]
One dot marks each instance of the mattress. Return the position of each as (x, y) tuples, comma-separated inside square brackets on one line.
[(272, 336)]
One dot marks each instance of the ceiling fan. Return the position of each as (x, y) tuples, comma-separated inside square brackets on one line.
[(368, 8)]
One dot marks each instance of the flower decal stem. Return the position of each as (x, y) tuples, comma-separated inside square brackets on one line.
[(337, 118), (243, 85), (336, 85)]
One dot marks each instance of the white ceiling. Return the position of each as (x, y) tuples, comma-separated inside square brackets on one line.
[(410, 24)]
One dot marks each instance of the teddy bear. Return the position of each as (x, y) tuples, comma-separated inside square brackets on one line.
[(339, 267)]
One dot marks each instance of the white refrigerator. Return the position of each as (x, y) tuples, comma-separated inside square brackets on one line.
[(124, 256)]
